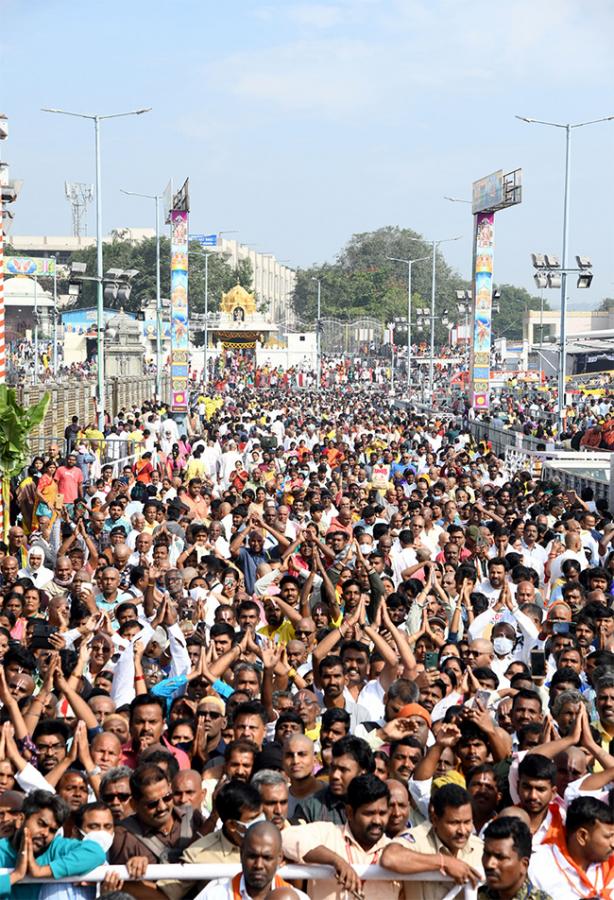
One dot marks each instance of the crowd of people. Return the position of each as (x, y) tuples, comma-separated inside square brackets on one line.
[(304, 627)]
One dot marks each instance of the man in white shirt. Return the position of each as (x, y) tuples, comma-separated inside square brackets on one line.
[(533, 555), (492, 586), (403, 556), (582, 867)]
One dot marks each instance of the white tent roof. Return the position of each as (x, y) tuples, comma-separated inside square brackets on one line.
[(20, 290)]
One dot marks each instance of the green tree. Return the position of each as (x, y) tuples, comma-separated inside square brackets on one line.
[(364, 282), (16, 423), (606, 304), (142, 256)]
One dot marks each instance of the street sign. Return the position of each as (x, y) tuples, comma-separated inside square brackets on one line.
[(205, 240)]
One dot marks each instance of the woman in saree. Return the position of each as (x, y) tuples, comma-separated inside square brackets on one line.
[(46, 494), (26, 493)]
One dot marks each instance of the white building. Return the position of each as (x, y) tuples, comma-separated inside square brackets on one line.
[(545, 327)]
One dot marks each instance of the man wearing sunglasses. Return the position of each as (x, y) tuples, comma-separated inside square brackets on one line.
[(157, 832), (115, 792)]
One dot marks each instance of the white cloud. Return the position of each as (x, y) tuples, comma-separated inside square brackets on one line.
[(369, 54)]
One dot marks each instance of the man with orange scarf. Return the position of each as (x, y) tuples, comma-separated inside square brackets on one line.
[(582, 865)]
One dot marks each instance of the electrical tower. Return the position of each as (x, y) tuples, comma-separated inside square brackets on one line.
[(79, 195)]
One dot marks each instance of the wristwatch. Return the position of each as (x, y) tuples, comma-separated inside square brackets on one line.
[(95, 771)]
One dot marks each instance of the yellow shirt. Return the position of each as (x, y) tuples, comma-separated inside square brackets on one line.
[(213, 848), (300, 839), (283, 634)]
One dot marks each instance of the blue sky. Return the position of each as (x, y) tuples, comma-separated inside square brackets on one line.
[(301, 123)]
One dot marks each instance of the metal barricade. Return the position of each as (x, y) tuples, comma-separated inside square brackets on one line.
[(208, 871)]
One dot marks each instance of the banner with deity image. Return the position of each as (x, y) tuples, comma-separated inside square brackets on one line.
[(180, 353), (482, 317)]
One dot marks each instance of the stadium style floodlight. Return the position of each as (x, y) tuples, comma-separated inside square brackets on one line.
[(555, 279), (567, 127), (585, 279)]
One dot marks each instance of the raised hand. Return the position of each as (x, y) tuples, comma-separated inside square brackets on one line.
[(448, 735)]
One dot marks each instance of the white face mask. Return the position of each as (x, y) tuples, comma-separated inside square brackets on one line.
[(503, 646), (198, 593), (104, 839), (243, 826)]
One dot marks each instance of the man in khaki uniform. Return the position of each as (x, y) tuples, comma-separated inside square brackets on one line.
[(362, 841), (449, 835), (238, 805)]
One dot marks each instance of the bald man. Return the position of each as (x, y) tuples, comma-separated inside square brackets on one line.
[(481, 653), (298, 760), (515, 811), (571, 764), (261, 856), (399, 808), (106, 750), (188, 789)]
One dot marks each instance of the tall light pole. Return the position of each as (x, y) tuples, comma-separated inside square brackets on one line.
[(567, 128), (206, 335), (97, 119), (409, 263), (318, 335), (55, 317), (434, 245), (156, 198)]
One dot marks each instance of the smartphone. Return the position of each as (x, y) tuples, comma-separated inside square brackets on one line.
[(431, 659), (538, 663), (41, 632), (560, 628), (484, 697)]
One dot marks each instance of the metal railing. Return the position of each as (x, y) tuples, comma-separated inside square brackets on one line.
[(208, 871)]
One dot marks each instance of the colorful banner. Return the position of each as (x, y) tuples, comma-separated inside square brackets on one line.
[(180, 354), (482, 312), (488, 192), (29, 265)]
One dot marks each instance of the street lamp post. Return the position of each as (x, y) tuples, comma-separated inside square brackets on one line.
[(409, 263), (434, 244), (567, 127), (97, 119), (206, 335), (318, 335), (156, 198), (55, 317)]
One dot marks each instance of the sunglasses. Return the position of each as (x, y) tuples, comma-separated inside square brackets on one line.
[(209, 714), (122, 796), (152, 804)]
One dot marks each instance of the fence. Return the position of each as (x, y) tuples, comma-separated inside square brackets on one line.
[(208, 871), (502, 438), (360, 337), (78, 399)]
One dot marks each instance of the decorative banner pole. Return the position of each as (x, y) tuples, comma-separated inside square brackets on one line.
[(180, 340), (492, 193)]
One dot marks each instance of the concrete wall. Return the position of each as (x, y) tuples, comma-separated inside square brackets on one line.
[(77, 399)]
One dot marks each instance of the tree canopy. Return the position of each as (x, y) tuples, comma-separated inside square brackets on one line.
[(362, 281), (142, 256)]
